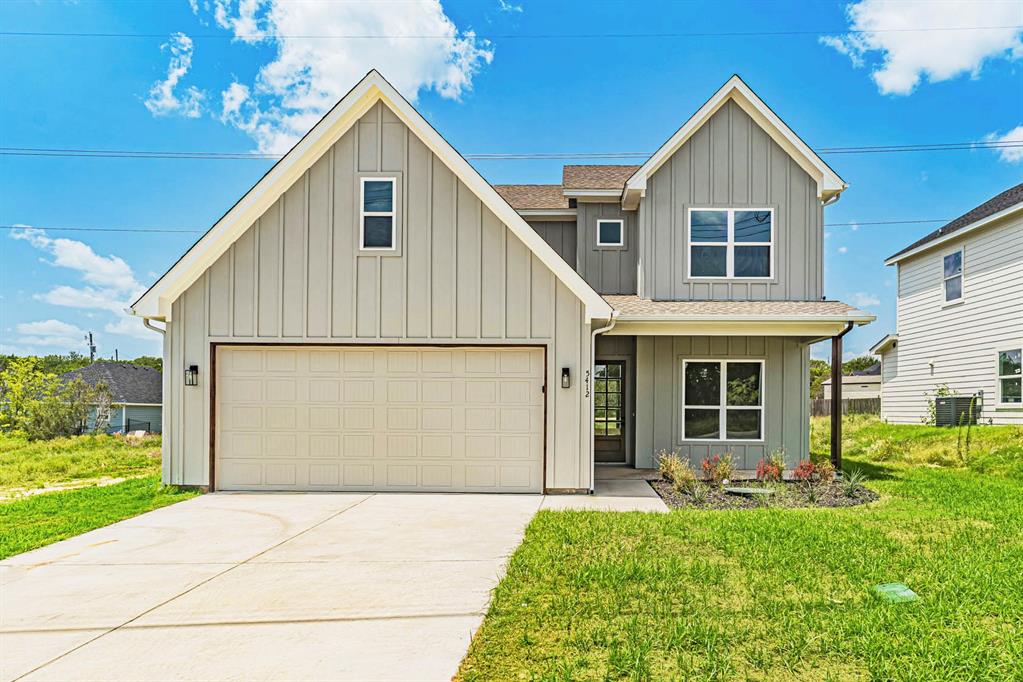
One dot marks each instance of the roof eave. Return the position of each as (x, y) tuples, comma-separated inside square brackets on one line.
[(951, 236)]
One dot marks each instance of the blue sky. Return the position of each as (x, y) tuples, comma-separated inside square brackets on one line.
[(492, 76)]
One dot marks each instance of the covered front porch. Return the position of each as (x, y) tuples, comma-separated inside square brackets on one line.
[(705, 378)]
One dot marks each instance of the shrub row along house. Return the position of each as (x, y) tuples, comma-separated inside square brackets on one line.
[(959, 317), (374, 315)]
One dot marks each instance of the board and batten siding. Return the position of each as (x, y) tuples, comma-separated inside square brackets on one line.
[(459, 276), (608, 269), (962, 340), (785, 395), (560, 235), (730, 162)]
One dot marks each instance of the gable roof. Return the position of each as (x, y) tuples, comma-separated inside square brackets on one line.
[(531, 197), (884, 344), (128, 383), (156, 302), (829, 184), (992, 209), (596, 176)]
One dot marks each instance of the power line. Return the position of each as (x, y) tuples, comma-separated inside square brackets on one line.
[(507, 36), (160, 230), (259, 156)]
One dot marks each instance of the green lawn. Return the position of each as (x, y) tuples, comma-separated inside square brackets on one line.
[(778, 594), (31, 521)]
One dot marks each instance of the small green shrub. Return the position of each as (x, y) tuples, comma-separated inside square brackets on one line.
[(851, 481), (719, 468)]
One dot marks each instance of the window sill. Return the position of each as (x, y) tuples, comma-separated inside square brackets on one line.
[(953, 304), (1009, 407)]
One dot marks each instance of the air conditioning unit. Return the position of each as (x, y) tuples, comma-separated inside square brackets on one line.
[(954, 410)]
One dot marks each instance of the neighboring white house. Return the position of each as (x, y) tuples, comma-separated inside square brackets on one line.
[(959, 316), (858, 385)]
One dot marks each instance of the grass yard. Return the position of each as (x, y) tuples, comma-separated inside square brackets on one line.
[(80, 463), (778, 594)]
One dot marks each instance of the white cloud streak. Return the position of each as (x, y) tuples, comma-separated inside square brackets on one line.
[(900, 59), (309, 74), (861, 299), (49, 333), (163, 99), (1009, 154)]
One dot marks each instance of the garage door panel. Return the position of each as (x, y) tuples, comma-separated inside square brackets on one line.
[(380, 419)]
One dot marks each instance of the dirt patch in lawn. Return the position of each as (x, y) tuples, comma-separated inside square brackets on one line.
[(788, 495)]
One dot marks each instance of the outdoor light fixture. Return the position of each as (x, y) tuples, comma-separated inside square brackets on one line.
[(566, 379), (192, 375)]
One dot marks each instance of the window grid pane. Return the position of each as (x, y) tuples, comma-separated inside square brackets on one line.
[(738, 407), (607, 393), (731, 243)]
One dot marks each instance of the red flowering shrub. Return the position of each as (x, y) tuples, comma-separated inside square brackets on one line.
[(767, 472), (718, 468), (804, 471)]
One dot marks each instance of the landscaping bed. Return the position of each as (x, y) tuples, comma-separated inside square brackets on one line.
[(787, 495)]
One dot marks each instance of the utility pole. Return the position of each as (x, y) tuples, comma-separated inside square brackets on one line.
[(92, 347), (116, 358)]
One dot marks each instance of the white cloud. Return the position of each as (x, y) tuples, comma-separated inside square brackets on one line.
[(904, 57), (163, 100), (131, 326), (862, 300), (85, 297), (106, 271), (843, 249), (507, 6), (1009, 154), (50, 333), (310, 72)]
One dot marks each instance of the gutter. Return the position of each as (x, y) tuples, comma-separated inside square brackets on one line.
[(148, 324), (591, 392)]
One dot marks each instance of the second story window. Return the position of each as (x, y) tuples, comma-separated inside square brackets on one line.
[(953, 276), (1010, 376), (377, 213), (610, 233), (731, 243)]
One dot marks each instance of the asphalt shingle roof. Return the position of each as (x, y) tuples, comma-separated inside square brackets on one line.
[(1000, 202), (634, 306), (127, 383), (596, 176), (525, 197)]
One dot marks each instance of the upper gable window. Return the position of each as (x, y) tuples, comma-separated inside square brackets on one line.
[(952, 276), (731, 243), (377, 215), (610, 232)]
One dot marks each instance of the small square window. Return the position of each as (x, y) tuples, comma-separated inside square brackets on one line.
[(610, 233), (377, 215)]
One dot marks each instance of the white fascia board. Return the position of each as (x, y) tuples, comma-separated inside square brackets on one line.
[(829, 184), (805, 327), (962, 231), (548, 213), (884, 344), (614, 193), (156, 303)]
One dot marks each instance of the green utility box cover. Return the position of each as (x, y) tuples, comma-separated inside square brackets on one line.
[(895, 592)]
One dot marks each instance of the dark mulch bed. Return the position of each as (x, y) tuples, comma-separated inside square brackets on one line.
[(788, 495)]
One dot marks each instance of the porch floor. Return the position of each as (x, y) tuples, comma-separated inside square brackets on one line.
[(624, 472)]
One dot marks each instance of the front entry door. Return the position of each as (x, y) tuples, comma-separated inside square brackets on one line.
[(609, 411)]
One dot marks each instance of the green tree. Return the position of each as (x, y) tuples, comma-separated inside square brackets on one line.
[(858, 364), (41, 405), (148, 361), (820, 370)]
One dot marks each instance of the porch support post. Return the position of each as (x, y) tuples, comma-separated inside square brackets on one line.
[(836, 398)]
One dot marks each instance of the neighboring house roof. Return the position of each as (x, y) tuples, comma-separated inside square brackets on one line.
[(829, 184), (596, 176), (533, 197), (861, 375), (884, 344), (636, 307), (127, 383), (992, 209), (156, 302), (873, 370)]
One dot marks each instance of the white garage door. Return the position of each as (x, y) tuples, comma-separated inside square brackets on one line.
[(371, 418)]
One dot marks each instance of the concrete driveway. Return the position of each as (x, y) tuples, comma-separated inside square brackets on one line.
[(263, 586)]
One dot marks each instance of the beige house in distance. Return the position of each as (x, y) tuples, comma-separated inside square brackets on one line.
[(959, 316), (373, 315), (858, 385)]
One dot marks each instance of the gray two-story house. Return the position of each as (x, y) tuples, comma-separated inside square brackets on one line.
[(374, 315)]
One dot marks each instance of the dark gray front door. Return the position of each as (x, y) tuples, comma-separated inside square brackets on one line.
[(609, 411)]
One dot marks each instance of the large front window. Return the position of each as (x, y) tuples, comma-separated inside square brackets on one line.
[(722, 400), (1010, 376), (731, 243)]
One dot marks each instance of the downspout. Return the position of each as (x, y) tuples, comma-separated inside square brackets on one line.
[(590, 391), (149, 325)]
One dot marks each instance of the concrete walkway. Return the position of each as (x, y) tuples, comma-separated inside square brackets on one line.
[(263, 587)]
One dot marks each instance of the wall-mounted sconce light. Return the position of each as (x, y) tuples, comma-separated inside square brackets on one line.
[(566, 378), (192, 375)]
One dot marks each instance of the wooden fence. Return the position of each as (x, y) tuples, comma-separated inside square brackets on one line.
[(821, 407)]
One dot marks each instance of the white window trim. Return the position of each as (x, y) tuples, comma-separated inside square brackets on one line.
[(729, 244), (723, 407), (999, 377), (392, 214), (621, 232), (961, 250)]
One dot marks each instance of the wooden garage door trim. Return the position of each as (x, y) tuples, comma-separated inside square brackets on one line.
[(214, 345)]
